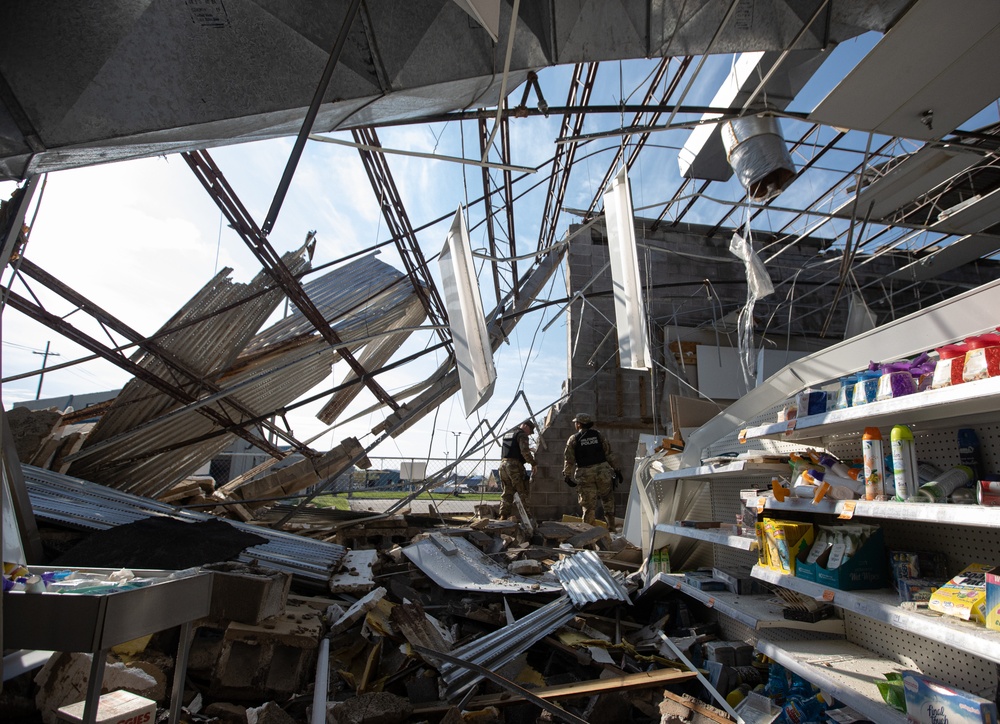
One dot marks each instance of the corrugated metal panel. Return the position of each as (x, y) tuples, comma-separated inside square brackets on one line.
[(454, 563), (504, 645), (360, 299), (586, 579), (64, 499)]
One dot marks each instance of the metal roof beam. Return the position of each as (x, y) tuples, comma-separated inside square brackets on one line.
[(222, 193)]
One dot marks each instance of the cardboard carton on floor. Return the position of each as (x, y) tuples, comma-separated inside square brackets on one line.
[(116, 707)]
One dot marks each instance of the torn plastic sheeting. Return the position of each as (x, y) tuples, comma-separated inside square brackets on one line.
[(456, 564), (586, 579), (504, 645)]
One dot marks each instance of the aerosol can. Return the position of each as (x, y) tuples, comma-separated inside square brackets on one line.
[(904, 462), (874, 461)]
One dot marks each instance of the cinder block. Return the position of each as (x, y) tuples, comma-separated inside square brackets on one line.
[(273, 659), (247, 594)]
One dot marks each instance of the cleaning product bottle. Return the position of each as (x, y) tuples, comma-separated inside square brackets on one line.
[(938, 490), (799, 711), (874, 459), (777, 683), (904, 462)]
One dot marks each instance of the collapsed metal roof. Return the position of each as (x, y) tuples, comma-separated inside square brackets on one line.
[(86, 84)]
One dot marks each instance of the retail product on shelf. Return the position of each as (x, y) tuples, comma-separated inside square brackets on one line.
[(964, 595), (874, 461), (993, 599), (982, 359), (951, 362), (988, 492), (904, 462), (848, 557), (969, 451), (659, 562), (930, 701), (782, 541), (939, 489), (866, 388), (737, 579), (917, 574)]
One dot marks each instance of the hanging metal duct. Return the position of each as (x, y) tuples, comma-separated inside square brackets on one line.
[(757, 152)]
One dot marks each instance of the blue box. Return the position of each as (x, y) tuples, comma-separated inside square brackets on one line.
[(930, 701)]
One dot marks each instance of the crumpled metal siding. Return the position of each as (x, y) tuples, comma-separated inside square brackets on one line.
[(65, 499), (504, 645), (362, 298), (586, 579)]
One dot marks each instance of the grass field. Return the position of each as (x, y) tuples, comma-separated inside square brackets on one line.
[(339, 500)]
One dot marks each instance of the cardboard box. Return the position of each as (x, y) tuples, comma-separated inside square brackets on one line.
[(929, 701), (784, 540), (993, 599), (964, 595), (116, 707), (864, 571)]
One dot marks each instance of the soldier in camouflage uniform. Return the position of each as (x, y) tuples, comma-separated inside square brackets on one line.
[(513, 476), (595, 465)]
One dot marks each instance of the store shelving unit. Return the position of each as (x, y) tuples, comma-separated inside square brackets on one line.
[(945, 407), (841, 668), (755, 611), (881, 636)]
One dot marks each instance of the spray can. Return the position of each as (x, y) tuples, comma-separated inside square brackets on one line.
[(945, 484), (874, 461), (904, 462), (968, 450)]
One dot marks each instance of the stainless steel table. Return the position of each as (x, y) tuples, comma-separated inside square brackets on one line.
[(93, 623)]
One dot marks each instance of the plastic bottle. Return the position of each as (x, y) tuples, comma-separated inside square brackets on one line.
[(777, 683), (945, 484), (874, 458), (904, 462), (808, 710), (968, 451)]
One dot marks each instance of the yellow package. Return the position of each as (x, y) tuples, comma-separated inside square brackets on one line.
[(762, 558), (784, 539), (964, 595)]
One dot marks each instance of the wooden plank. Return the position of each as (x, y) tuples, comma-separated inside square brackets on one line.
[(641, 680), (709, 712)]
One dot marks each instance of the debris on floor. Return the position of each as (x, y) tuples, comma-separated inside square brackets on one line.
[(426, 620)]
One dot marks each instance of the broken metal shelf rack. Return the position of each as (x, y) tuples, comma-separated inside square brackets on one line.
[(756, 611), (949, 513), (709, 535)]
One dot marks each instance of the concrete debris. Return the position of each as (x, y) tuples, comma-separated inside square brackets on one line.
[(269, 713), (356, 574), (355, 613), (375, 708)]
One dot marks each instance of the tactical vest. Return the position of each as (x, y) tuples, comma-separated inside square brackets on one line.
[(589, 448), (511, 446)]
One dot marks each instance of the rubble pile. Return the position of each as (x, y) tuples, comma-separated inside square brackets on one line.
[(466, 620)]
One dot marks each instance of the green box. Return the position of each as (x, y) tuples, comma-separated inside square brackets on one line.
[(864, 571)]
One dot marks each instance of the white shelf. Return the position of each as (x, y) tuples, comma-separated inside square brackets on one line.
[(711, 535), (735, 468), (943, 407), (757, 612), (883, 605), (843, 669), (970, 515)]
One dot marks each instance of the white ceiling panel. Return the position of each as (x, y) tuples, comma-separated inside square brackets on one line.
[(912, 177), (961, 251), (940, 57), (972, 217)]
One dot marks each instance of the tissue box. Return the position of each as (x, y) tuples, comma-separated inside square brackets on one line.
[(929, 701), (116, 707)]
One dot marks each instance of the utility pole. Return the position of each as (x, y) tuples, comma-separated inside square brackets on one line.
[(45, 358), (457, 436)]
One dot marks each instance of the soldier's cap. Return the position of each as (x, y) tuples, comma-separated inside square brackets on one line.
[(583, 418), (530, 424)]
